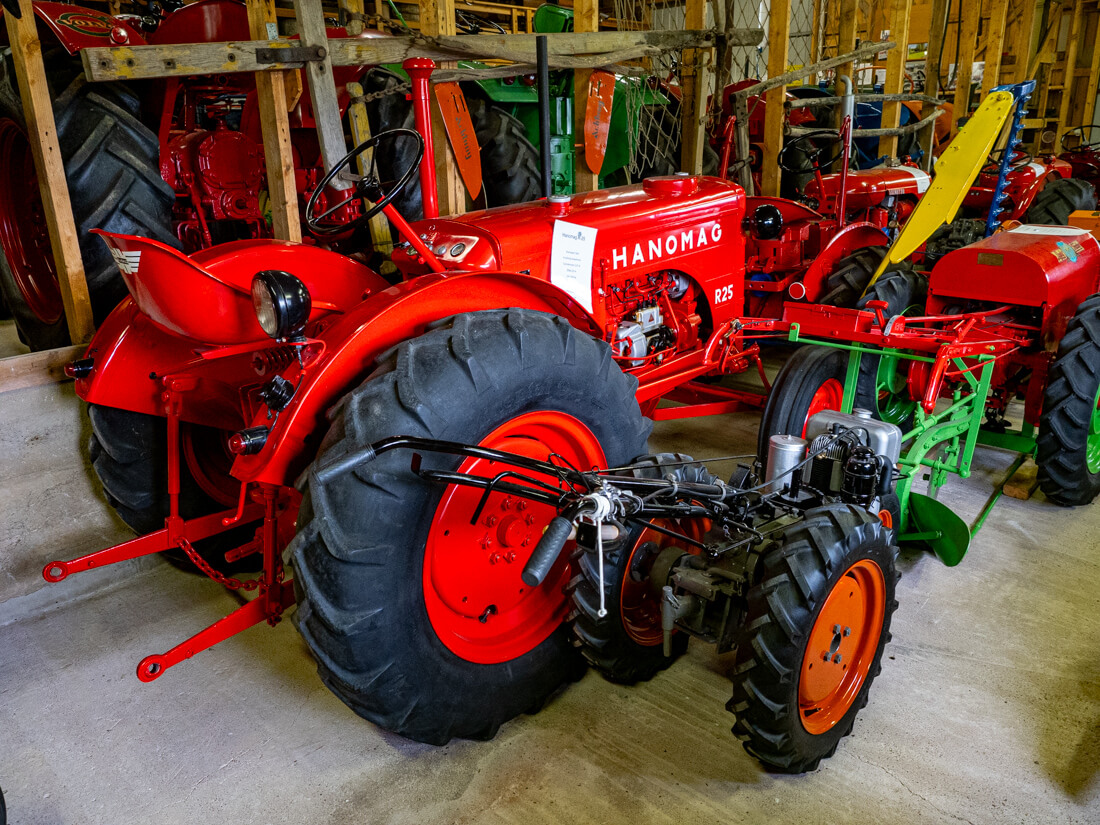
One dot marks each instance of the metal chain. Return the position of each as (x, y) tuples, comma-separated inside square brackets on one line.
[(226, 581), (401, 88)]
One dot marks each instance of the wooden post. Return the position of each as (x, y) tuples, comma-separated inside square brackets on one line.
[(846, 37), (1071, 68), (586, 18), (272, 102), (936, 21), (779, 42), (1091, 84), (30, 74), (968, 34), (354, 26), (322, 87), (697, 67), (1025, 45), (898, 21), (994, 45), (437, 17)]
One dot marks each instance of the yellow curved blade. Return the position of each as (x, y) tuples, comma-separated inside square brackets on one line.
[(956, 170)]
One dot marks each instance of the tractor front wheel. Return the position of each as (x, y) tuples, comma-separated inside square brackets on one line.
[(815, 625), (1068, 448), (812, 380), (419, 619), (112, 169), (626, 644), (1058, 199)]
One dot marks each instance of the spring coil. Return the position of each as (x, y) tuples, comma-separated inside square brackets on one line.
[(275, 359)]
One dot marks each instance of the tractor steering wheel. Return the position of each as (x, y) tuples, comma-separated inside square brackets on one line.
[(1079, 133), (812, 154), (993, 162), (367, 188)]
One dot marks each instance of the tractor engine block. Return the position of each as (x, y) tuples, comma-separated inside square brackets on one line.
[(221, 173), (650, 315)]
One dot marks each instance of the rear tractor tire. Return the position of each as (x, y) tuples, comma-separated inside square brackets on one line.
[(509, 162), (815, 628), (419, 620), (850, 276), (113, 173), (1068, 448), (625, 646), (1058, 199)]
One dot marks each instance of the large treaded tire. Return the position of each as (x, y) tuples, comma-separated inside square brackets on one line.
[(129, 455), (113, 173), (362, 546), (905, 291), (801, 384), (605, 642), (850, 276), (797, 576), (509, 162), (1058, 199), (1069, 411)]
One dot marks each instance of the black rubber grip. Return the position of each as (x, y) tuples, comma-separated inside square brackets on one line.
[(547, 551)]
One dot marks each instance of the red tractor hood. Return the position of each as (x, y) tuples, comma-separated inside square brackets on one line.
[(691, 222), (869, 187)]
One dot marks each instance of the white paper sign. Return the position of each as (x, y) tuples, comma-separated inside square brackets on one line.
[(571, 260)]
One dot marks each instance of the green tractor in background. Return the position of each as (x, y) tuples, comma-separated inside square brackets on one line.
[(506, 119)]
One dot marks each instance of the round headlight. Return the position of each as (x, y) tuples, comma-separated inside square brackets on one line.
[(282, 304), (767, 222)]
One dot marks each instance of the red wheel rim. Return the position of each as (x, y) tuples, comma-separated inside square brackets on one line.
[(842, 646), (829, 396), (639, 606), (23, 234), (206, 451), (477, 603)]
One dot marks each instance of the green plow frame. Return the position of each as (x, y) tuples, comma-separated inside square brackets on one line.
[(957, 427)]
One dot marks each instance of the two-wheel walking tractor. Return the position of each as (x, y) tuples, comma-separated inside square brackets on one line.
[(244, 403)]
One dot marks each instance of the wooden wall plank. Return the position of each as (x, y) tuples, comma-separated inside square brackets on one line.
[(272, 99), (586, 18), (1070, 70), (437, 17), (37, 368), (846, 37), (968, 35), (30, 74), (898, 18), (697, 67), (779, 40), (994, 42), (931, 70)]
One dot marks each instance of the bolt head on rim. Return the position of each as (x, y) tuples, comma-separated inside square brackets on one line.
[(841, 647), (478, 605)]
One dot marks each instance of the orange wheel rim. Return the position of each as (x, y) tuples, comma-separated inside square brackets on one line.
[(841, 647), (829, 396), (887, 519)]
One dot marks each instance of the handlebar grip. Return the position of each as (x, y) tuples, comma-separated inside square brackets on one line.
[(547, 551)]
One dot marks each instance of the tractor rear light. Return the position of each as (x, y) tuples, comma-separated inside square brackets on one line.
[(528, 80), (119, 36), (81, 368), (248, 441), (282, 304)]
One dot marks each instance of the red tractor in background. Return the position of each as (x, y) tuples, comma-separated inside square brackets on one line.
[(180, 160), (1082, 153)]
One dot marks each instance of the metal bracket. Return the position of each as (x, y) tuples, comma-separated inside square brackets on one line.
[(291, 54)]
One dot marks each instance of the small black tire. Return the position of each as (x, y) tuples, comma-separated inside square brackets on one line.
[(369, 539), (811, 380), (905, 291), (850, 276), (798, 574), (1069, 412), (1058, 199), (129, 454), (113, 173), (509, 162), (621, 653)]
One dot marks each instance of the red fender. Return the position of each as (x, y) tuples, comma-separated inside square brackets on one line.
[(852, 237), (76, 27), (381, 322)]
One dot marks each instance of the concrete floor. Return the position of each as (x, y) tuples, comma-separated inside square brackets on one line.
[(987, 709)]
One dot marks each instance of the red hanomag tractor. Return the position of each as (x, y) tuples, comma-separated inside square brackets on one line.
[(233, 393)]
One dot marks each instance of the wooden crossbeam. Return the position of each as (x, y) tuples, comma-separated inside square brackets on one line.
[(567, 51), (30, 74)]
